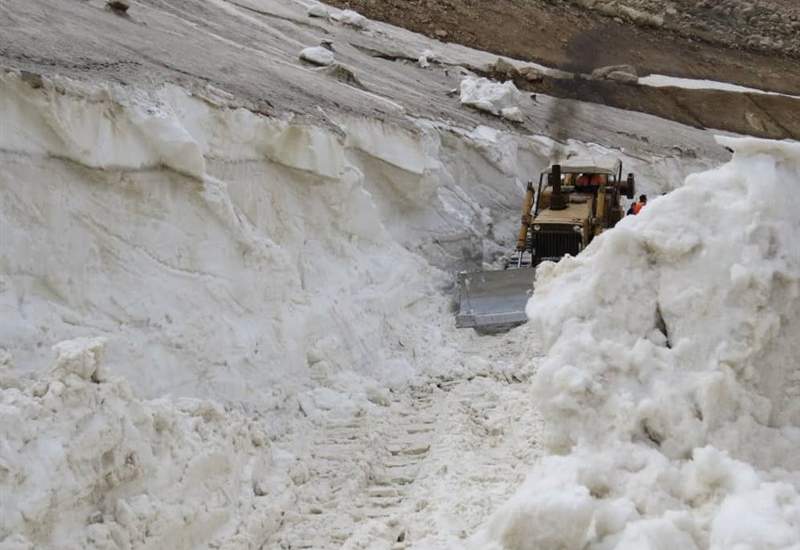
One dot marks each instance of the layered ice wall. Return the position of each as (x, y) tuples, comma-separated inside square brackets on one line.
[(671, 386), (222, 252)]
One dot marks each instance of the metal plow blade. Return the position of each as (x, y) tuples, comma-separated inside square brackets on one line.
[(493, 299)]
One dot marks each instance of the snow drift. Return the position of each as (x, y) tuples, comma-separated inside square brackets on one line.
[(671, 382)]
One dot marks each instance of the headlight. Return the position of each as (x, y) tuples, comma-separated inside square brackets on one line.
[(537, 227), (577, 228)]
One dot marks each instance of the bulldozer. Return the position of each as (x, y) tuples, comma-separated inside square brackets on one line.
[(574, 202)]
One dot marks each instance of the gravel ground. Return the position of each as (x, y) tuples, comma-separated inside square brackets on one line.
[(716, 40), (761, 25)]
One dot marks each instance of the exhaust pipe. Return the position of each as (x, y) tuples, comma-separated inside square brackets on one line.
[(527, 206), (559, 199)]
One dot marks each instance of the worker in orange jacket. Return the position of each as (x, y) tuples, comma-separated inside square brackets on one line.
[(637, 206)]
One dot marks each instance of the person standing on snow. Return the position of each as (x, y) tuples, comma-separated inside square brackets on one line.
[(637, 206)]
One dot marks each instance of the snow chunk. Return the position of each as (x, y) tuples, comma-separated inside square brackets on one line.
[(768, 517), (318, 10), (655, 534), (318, 56), (487, 95), (513, 114), (352, 18), (620, 73), (547, 512), (378, 396), (81, 356), (427, 57), (136, 469)]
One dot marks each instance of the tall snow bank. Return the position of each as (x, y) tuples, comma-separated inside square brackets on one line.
[(226, 247), (84, 463), (671, 382)]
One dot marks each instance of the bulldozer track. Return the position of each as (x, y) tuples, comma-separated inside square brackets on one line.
[(362, 470), (370, 475)]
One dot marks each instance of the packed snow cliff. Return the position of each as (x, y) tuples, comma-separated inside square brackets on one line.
[(235, 251), (671, 385)]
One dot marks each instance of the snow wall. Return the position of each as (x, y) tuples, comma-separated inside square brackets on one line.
[(671, 384)]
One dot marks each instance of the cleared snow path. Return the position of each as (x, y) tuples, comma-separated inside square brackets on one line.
[(422, 470), (359, 469)]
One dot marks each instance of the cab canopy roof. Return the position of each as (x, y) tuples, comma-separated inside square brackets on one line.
[(589, 165)]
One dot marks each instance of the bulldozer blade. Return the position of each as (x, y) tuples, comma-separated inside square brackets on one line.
[(493, 299)]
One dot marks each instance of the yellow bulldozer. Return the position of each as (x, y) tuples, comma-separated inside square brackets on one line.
[(574, 201)]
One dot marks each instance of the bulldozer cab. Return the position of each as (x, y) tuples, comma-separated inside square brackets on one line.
[(573, 202), (585, 176), (576, 201)]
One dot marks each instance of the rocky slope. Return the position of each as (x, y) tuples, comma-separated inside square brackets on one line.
[(760, 25), (651, 37)]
